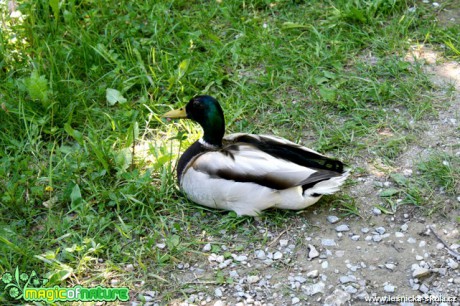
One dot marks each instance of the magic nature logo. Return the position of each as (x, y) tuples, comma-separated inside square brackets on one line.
[(31, 287)]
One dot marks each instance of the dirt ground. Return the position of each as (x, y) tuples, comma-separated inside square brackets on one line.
[(407, 256)]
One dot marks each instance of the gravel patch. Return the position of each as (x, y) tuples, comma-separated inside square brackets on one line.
[(338, 260)]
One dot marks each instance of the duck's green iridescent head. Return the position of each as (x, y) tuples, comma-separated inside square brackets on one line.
[(207, 112)]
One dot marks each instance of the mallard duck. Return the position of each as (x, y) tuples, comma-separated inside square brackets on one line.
[(248, 173)]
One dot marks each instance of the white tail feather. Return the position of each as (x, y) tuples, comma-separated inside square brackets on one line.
[(329, 186)]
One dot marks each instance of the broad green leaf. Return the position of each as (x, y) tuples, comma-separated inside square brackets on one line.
[(114, 96), (77, 135), (173, 241), (37, 88), (389, 192), (55, 7), (183, 66), (328, 94), (75, 195), (399, 179)]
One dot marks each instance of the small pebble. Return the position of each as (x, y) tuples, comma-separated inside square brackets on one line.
[(376, 211), (404, 227), (313, 253), (295, 300), (260, 254), (452, 264), (418, 257), (207, 247), (350, 289), (218, 292), (114, 282), (399, 235), (324, 265), (355, 237), (313, 274), (420, 272), (380, 230), (315, 288), (283, 243), (407, 172), (342, 228), (365, 230), (338, 297), (332, 219), (129, 267), (347, 279), (377, 238), (411, 240), (328, 242), (235, 257), (300, 279), (277, 255), (390, 266), (422, 244), (389, 288), (252, 279), (423, 288)]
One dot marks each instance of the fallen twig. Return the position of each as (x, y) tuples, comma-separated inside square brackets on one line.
[(449, 250)]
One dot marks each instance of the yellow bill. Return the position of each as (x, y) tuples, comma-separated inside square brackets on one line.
[(176, 114)]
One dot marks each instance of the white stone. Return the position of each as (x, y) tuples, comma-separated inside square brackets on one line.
[(420, 272), (313, 274), (390, 266), (277, 255), (283, 243), (313, 253), (207, 247), (238, 257), (252, 279), (355, 237), (337, 298), (260, 254), (389, 288), (452, 264), (314, 288), (218, 292), (342, 228), (332, 219), (328, 242), (300, 279)]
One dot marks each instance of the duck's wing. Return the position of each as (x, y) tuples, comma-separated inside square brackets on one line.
[(264, 160)]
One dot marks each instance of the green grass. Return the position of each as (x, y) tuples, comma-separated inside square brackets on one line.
[(84, 82)]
